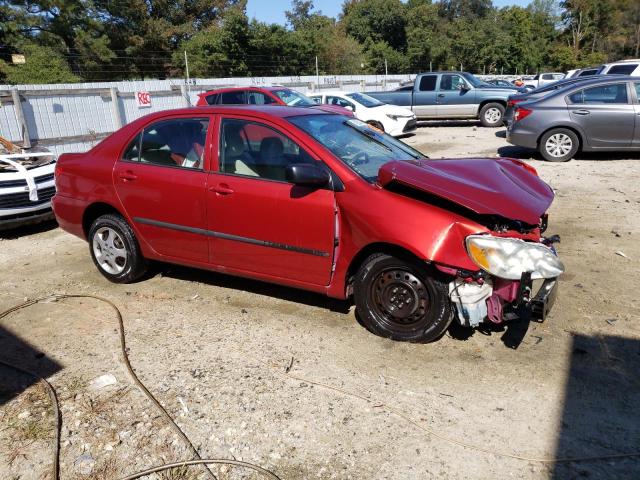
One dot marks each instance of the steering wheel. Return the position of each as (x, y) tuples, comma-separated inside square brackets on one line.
[(360, 158)]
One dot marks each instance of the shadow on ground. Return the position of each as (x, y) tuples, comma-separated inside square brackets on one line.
[(13, 233), (527, 153), (253, 286), (18, 352), (601, 409)]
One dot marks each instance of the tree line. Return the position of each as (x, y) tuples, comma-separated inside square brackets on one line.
[(108, 40)]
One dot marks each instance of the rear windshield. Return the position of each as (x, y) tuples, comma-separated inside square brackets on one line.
[(363, 148)]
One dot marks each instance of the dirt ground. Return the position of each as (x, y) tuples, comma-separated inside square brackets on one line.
[(214, 350)]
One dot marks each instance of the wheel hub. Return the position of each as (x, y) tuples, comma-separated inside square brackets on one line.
[(400, 295)]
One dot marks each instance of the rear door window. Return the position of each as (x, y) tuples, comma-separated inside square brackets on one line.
[(258, 98), (626, 69), (212, 99), (172, 143), (428, 83), (602, 94), (234, 97)]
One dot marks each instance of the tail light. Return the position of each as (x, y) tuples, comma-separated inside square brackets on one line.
[(521, 114)]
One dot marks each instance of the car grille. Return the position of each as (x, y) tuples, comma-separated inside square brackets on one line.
[(21, 199), (411, 125), (21, 182)]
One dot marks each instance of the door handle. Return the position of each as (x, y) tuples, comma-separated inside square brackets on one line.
[(128, 176), (582, 112), (441, 95), (221, 189)]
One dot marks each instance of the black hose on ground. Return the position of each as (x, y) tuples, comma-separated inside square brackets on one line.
[(123, 349)]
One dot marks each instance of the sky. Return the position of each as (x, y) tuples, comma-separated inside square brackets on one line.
[(272, 11)]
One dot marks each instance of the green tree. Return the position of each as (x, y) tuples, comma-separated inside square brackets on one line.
[(42, 65), (376, 21)]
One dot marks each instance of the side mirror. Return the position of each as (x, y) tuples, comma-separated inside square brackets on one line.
[(307, 175), (463, 87)]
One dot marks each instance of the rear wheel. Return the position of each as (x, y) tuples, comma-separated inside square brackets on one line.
[(398, 299), (491, 115), (115, 250), (559, 145)]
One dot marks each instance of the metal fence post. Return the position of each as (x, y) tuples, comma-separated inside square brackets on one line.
[(115, 108), (24, 130)]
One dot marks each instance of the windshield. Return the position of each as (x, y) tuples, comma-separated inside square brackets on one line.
[(473, 80), (360, 146), (365, 100), (293, 98)]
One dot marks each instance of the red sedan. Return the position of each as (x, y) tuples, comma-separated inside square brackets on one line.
[(264, 96), (317, 201)]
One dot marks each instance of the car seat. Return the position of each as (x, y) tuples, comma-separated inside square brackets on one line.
[(272, 160)]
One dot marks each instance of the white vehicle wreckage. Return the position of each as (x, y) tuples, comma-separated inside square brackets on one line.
[(26, 185)]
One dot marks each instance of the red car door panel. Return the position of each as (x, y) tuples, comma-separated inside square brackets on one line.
[(260, 223), (166, 201), (272, 228)]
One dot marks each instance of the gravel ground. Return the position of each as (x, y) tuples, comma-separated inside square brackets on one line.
[(215, 350)]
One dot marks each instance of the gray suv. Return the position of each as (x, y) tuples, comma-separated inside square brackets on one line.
[(597, 114)]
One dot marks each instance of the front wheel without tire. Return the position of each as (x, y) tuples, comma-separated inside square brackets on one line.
[(559, 145), (491, 115), (398, 299), (115, 250)]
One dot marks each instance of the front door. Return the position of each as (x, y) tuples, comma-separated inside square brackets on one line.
[(258, 222), (605, 114), (424, 97), (456, 99), (161, 182)]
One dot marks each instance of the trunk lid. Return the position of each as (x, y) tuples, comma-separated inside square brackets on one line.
[(486, 186)]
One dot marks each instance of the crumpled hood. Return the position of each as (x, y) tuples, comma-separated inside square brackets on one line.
[(486, 186)]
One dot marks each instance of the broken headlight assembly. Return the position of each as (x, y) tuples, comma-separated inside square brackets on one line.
[(509, 258)]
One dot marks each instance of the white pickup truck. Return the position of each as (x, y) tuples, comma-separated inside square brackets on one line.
[(542, 79)]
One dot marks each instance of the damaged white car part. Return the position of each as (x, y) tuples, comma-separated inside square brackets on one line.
[(26, 188), (470, 300), (509, 258)]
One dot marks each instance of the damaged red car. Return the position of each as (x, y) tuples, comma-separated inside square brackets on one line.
[(321, 202)]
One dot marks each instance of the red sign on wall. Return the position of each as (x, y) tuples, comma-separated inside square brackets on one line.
[(143, 99)]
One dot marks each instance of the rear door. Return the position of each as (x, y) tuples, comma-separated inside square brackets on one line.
[(258, 222), (453, 100), (605, 114), (424, 97), (160, 180)]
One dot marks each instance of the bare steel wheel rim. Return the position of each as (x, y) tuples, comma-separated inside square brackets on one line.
[(399, 298), (109, 250), (558, 145), (492, 115)]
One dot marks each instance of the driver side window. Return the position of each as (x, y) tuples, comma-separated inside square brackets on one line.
[(253, 149), (451, 82)]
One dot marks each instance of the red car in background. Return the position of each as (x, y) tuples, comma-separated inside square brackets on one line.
[(317, 201), (264, 96)]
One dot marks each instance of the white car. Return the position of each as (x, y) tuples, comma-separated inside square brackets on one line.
[(390, 119), (543, 79), (26, 188), (623, 67)]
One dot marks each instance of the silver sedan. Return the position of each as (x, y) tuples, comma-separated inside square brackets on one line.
[(596, 115)]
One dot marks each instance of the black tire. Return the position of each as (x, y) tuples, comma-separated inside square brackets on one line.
[(418, 310), (376, 124), (110, 235), (491, 115), (563, 135)]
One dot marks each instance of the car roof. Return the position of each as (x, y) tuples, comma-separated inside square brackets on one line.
[(265, 111), (248, 87)]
